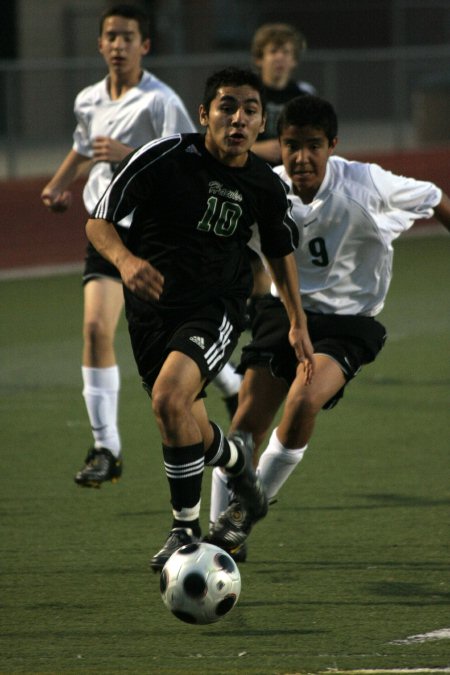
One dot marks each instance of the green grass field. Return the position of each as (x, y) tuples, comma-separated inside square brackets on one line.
[(349, 564)]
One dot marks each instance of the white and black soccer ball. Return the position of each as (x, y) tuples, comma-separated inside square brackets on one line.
[(200, 583)]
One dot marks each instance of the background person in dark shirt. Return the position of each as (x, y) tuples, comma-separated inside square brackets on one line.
[(276, 50)]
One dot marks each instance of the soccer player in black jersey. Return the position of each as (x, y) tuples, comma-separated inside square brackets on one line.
[(196, 201)]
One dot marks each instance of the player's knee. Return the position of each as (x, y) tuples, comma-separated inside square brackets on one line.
[(306, 406), (169, 405), (96, 334)]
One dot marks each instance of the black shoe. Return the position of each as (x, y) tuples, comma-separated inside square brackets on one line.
[(100, 466), (246, 486), (231, 403), (231, 529), (178, 537), (239, 554), (248, 505)]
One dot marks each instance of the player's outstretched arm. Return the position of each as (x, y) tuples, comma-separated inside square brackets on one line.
[(55, 194), (137, 274), (284, 274), (442, 211)]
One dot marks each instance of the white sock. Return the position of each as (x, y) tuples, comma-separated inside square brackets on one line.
[(228, 381), (101, 395), (220, 494), (276, 465), (187, 513)]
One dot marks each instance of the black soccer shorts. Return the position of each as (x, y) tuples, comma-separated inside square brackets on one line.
[(351, 341), (208, 335)]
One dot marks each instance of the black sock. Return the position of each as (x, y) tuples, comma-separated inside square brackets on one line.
[(219, 452), (184, 469), (238, 465)]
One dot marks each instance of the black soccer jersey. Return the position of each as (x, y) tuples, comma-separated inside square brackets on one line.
[(192, 217), (276, 99)]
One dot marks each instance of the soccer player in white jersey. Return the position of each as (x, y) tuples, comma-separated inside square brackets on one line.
[(348, 214), (129, 107)]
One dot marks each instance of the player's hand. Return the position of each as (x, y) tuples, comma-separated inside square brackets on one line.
[(108, 149), (141, 278), (55, 200), (304, 351)]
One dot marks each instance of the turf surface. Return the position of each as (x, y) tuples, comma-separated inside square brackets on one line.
[(349, 564)]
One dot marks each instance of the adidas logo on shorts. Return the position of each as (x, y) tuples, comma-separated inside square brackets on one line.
[(198, 341)]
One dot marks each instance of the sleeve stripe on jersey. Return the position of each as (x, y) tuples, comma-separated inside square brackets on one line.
[(102, 207), (288, 221)]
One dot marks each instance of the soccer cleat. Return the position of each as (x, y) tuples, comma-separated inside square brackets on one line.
[(178, 537), (100, 466), (231, 529), (248, 505), (239, 554), (246, 486)]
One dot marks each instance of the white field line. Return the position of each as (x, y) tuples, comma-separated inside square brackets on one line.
[(38, 271), (386, 671), (441, 634)]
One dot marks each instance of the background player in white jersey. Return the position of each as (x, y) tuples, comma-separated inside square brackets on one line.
[(195, 201), (348, 214), (129, 107)]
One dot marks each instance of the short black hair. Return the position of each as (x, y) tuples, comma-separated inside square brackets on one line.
[(128, 12), (308, 110), (232, 77)]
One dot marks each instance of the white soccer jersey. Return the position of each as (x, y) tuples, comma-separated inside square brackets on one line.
[(345, 253), (146, 112)]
